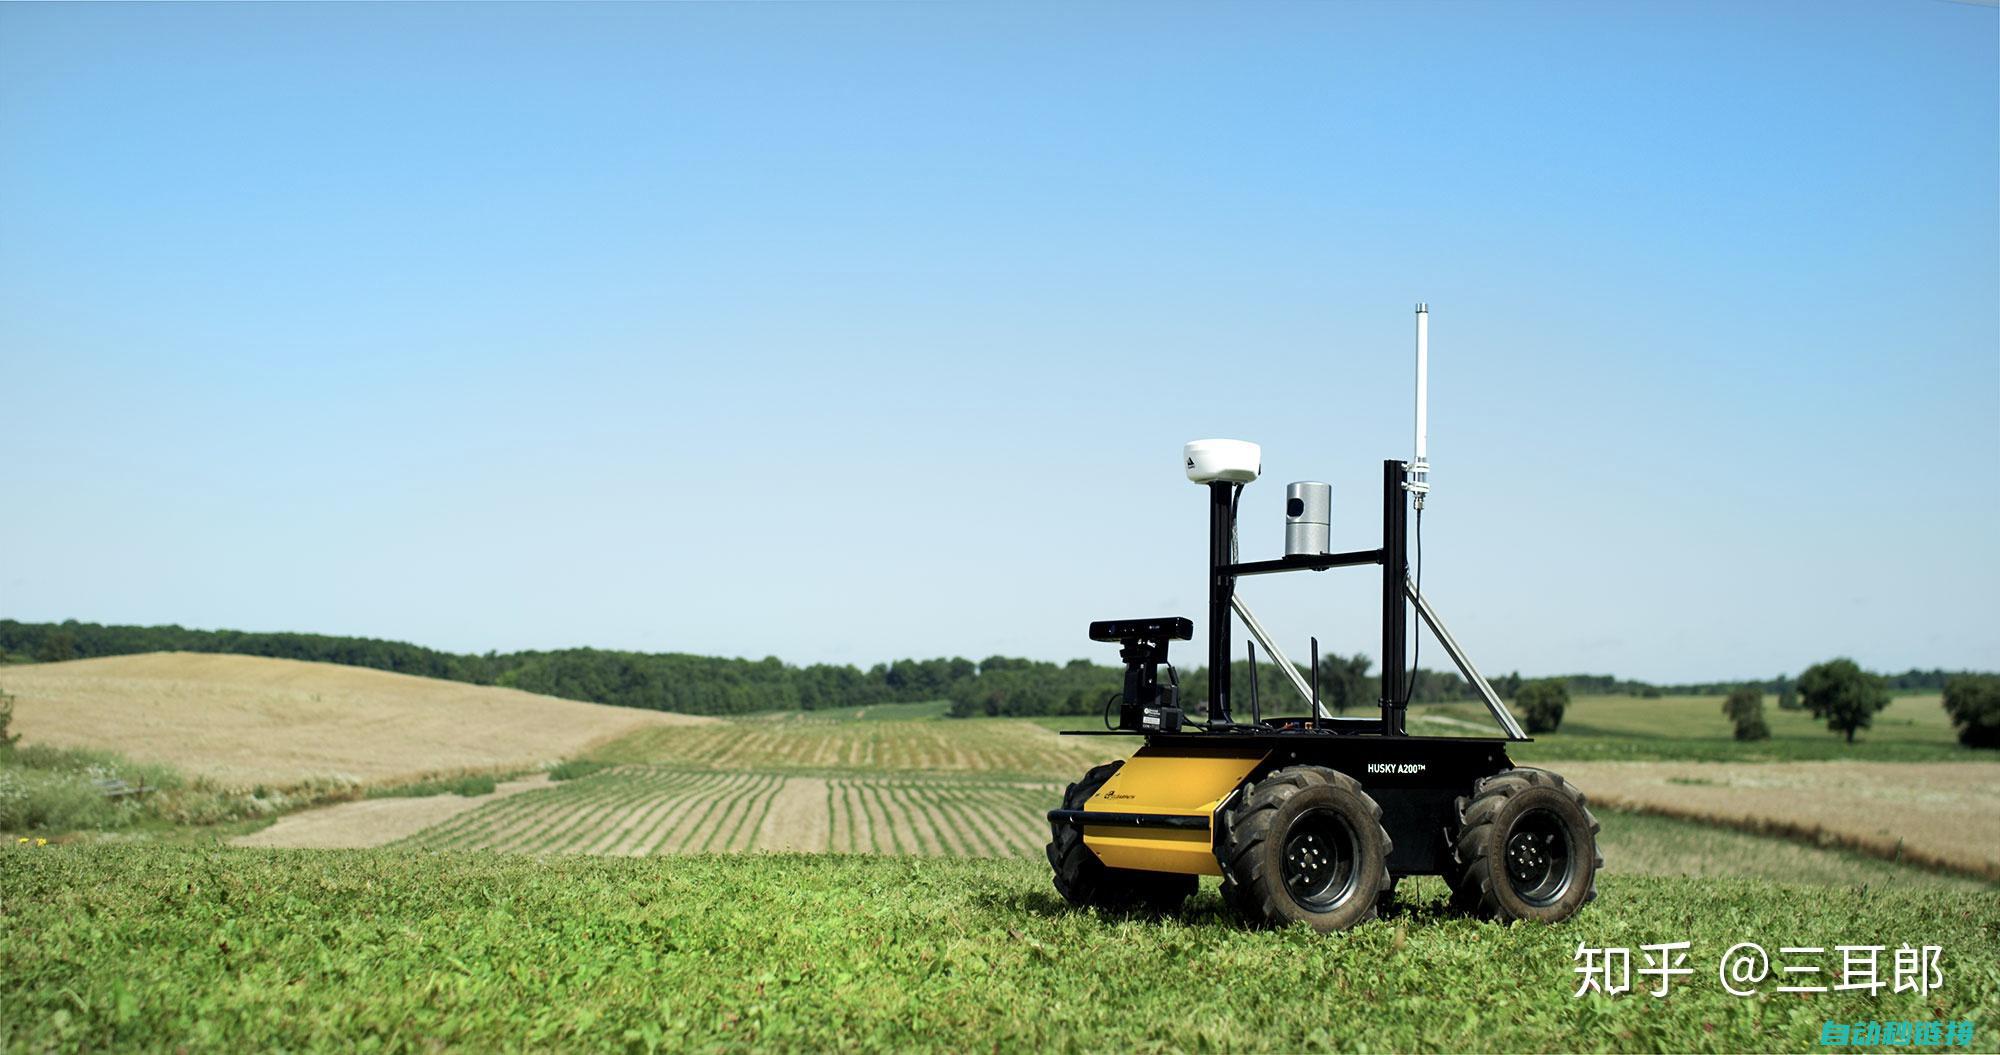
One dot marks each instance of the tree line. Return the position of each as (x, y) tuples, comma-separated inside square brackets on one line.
[(670, 681), (661, 681)]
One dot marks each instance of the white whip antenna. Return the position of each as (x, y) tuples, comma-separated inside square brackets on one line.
[(1419, 482)]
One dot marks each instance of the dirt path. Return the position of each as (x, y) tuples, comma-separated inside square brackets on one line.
[(798, 819), (374, 822), (1942, 814)]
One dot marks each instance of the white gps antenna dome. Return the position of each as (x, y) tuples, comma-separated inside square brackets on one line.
[(1227, 461)]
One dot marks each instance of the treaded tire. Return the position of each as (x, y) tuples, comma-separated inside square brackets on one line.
[(1085, 882), (1317, 816), (1235, 901), (1530, 812)]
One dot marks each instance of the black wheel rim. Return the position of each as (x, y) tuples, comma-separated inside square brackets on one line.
[(1540, 857), (1320, 863)]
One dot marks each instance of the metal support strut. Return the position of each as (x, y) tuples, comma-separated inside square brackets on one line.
[(1492, 699), (1221, 590), (1395, 569)]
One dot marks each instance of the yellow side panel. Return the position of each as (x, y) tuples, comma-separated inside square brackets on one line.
[(1153, 849), (1176, 782)]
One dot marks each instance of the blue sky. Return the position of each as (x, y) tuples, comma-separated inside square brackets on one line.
[(845, 332)]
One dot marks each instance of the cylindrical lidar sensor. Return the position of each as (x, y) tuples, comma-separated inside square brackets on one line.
[(1308, 518)]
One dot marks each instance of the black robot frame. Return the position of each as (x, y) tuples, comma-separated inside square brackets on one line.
[(1313, 819), (1417, 780)]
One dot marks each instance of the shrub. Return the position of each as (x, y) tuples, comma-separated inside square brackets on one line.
[(204, 803), (1973, 701), (1843, 694), (40, 800), (56, 789), (579, 767), (469, 786), (1543, 702), (97, 765), (1745, 707)]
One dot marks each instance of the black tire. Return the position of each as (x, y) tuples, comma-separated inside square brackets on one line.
[(1306, 845), (1526, 849), (1234, 901), (1085, 882)]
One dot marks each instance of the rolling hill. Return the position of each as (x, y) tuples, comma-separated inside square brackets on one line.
[(245, 720)]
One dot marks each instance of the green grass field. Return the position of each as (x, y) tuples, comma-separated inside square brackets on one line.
[(1692, 728), (167, 949), (523, 924)]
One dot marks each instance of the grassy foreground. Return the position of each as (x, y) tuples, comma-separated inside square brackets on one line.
[(160, 948)]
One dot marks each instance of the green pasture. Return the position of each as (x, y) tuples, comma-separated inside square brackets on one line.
[(1693, 728), (174, 949)]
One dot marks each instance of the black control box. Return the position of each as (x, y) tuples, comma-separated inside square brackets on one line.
[(1162, 715), (1146, 706)]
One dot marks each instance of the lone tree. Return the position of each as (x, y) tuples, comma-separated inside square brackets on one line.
[(1544, 701), (1745, 707), (1843, 694), (1972, 700), (1344, 680)]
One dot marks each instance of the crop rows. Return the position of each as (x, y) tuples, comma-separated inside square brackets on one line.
[(1015, 748), (635, 810), (937, 818), (643, 810)]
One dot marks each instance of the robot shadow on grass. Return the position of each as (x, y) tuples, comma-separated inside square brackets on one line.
[(1206, 906)]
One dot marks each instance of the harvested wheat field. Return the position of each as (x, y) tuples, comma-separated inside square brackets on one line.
[(1944, 815), (244, 720)]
